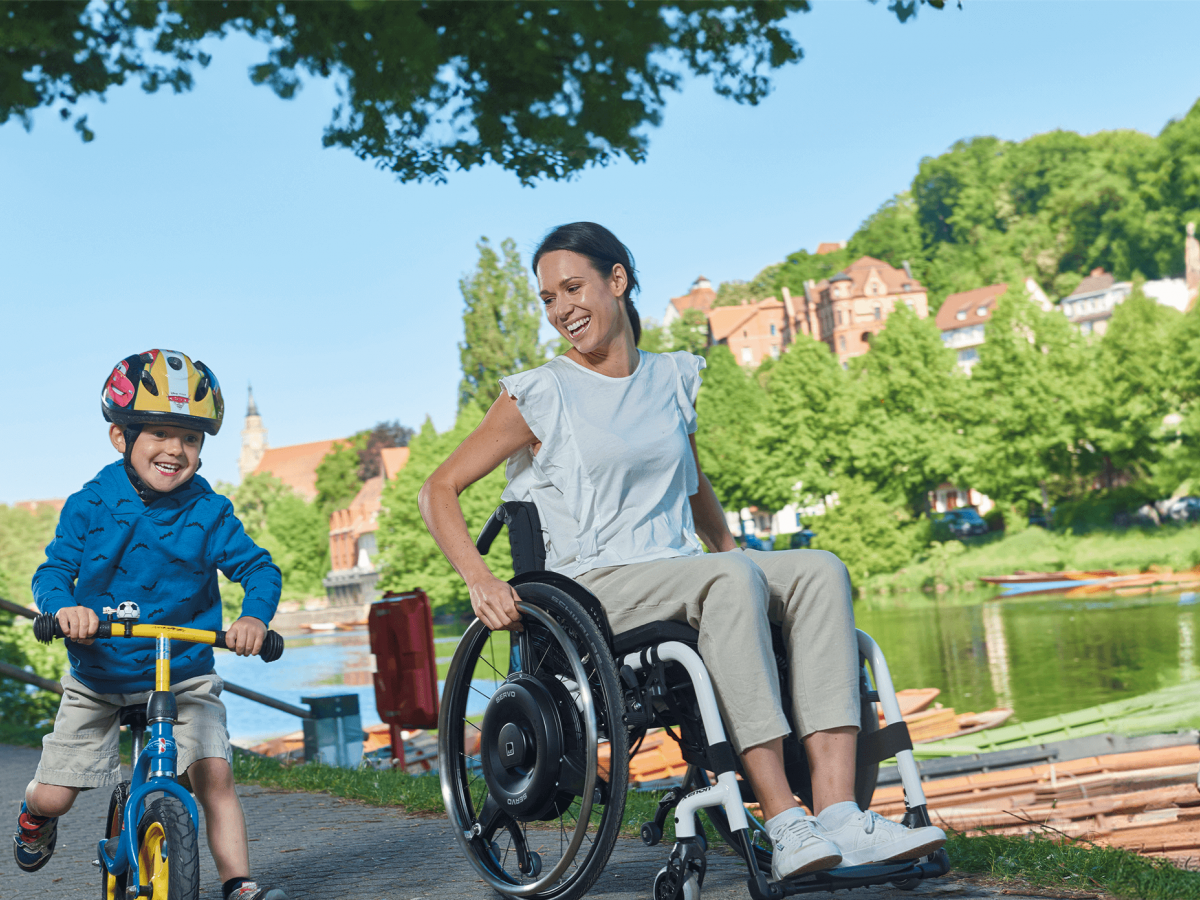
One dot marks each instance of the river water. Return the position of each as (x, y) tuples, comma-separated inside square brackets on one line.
[(1040, 656)]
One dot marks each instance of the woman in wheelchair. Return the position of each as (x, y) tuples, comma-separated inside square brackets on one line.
[(602, 441)]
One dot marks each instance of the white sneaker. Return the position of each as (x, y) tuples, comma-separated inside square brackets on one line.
[(799, 849), (868, 838)]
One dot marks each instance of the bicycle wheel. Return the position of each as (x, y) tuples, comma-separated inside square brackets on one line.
[(168, 859), (533, 752), (112, 887)]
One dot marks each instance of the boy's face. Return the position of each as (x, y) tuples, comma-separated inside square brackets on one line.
[(164, 456)]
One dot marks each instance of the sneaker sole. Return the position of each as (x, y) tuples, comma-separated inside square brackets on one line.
[(907, 853), (816, 865)]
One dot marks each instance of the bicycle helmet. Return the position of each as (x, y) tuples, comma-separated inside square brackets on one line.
[(165, 387)]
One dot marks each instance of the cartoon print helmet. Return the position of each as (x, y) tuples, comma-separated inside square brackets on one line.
[(164, 387)]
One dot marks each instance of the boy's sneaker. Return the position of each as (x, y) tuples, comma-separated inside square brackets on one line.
[(867, 837), (33, 844), (798, 848), (251, 890)]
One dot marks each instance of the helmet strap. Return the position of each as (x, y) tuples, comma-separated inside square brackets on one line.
[(147, 494)]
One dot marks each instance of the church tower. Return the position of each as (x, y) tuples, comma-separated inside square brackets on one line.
[(254, 439)]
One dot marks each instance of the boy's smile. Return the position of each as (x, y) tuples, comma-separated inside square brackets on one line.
[(164, 456)]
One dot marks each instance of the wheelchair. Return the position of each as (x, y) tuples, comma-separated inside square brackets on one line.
[(537, 727)]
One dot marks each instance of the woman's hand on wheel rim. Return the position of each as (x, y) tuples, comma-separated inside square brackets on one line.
[(495, 602)]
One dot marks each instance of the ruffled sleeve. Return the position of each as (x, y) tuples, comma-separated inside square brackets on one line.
[(534, 391), (688, 366)]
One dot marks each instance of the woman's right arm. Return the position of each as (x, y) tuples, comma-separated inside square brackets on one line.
[(502, 433)]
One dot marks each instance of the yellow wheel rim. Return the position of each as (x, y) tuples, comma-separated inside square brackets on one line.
[(110, 887), (153, 867)]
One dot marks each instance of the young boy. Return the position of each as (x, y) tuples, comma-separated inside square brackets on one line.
[(148, 529)]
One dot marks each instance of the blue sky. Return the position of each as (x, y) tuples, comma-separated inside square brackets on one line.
[(216, 224)]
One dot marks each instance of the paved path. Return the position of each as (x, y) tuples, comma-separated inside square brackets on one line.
[(319, 846)]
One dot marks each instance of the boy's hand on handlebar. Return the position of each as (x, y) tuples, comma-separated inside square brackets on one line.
[(78, 623), (495, 602), (245, 636)]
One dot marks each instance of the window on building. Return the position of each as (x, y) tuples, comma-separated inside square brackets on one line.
[(775, 351), (839, 317), (878, 314), (747, 355), (842, 342), (961, 315), (908, 302), (982, 311), (907, 286), (744, 334), (772, 329), (969, 355)]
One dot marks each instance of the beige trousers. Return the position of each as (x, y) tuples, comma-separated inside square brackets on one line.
[(730, 598)]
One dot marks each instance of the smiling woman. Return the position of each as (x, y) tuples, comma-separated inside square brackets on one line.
[(602, 441)]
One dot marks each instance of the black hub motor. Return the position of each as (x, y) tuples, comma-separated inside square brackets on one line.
[(532, 746)]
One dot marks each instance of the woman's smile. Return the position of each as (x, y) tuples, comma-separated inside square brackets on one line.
[(579, 326)]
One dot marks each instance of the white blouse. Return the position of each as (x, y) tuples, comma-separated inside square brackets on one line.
[(612, 477)]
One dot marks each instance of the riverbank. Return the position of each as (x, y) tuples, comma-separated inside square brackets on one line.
[(955, 565)]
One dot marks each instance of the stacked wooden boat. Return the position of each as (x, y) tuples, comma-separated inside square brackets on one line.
[(1143, 800)]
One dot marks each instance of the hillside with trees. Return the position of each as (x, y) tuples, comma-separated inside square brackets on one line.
[(1053, 207)]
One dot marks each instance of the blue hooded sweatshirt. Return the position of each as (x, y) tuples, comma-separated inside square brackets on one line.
[(110, 547)]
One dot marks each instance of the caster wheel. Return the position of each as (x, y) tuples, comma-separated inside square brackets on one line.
[(651, 834), (664, 886), (535, 865), (906, 884)]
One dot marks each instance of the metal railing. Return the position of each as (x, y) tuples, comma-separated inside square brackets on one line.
[(47, 684)]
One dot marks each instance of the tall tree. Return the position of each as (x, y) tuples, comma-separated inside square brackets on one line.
[(1027, 415), (543, 90), (909, 397), (337, 474), (500, 324), (731, 407), (808, 408), (383, 436), (689, 332), (1134, 392)]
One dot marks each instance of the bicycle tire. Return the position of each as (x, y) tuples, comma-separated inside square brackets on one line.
[(168, 856), (112, 887)]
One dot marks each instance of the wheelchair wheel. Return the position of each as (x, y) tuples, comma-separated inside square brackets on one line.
[(168, 860), (799, 778), (532, 749), (112, 887)]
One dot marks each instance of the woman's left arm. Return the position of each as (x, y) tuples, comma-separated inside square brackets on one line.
[(707, 513)]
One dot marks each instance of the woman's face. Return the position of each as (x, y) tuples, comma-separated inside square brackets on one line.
[(584, 306)]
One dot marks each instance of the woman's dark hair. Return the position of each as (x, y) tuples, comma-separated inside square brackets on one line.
[(604, 251)]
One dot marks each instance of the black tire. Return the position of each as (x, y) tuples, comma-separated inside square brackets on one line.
[(112, 887), (495, 845), (168, 858)]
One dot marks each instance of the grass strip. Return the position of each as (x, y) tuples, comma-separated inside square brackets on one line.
[(1040, 859), (1050, 861)]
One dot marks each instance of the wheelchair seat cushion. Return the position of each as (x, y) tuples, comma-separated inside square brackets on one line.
[(654, 633)]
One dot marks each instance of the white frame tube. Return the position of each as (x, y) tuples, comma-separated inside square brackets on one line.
[(726, 791), (910, 776)]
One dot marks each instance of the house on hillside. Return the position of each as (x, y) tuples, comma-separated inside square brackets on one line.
[(963, 316), (700, 296), (352, 548), (849, 308), (752, 331), (1091, 304)]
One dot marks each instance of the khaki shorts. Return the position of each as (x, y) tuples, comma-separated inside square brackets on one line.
[(82, 751)]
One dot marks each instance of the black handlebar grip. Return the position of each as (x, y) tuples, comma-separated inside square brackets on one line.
[(491, 528), (272, 647), (46, 628), (219, 641)]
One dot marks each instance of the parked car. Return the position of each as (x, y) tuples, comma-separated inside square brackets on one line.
[(751, 542), (802, 539), (963, 523), (1184, 509)]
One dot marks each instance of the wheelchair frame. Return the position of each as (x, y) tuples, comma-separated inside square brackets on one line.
[(646, 659)]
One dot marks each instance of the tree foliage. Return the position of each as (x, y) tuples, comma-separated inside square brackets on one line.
[(337, 474), (408, 556), (866, 532), (689, 332), (544, 90), (500, 324), (732, 406), (383, 436), (1054, 207)]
